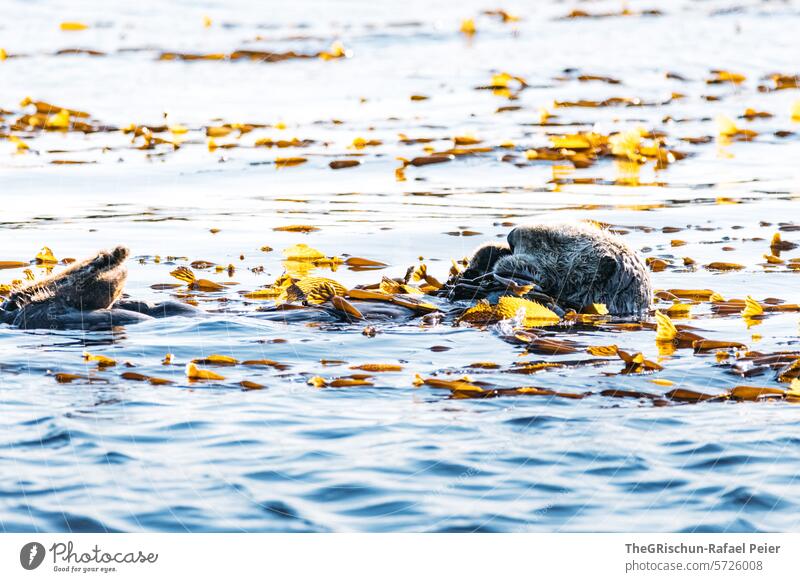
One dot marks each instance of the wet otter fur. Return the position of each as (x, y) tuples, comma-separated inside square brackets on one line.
[(85, 295), (575, 265), (94, 283)]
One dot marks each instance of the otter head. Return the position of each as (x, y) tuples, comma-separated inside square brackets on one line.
[(98, 282), (527, 240), (484, 259)]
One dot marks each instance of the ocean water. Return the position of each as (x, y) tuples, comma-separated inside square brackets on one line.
[(105, 453)]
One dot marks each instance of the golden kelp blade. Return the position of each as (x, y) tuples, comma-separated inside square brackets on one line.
[(248, 385), (428, 160), (752, 308), (135, 376), (48, 108), (342, 164), (266, 293), (102, 361), (578, 141), (349, 382), (302, 252), (220, 131), (627, 144), (288, 162), (550, 346), (378, 367), (754, 393), (662, 382), (414, 304), (336, 51), (708, 345), (66, 378), (195, 373), (187, 275), (73, 26), (628, 358), (345, 306), (268, 363), (315, 290), (637, 363), (393, 287), (791, 373), (421, 274), (360, 143), (727, 128), (603, 350), (683, 395), (726, 77), (794, 390), (309, 284), (452, 384), (484, 365), (595, 309), (275, 291), (46, 257), (534, 313), (665, 329), (217, 359), (184, 274), (60, 120), (12, 264), (696, 294), (317, 382), (777, 244), (507, 308), (467, 27), (206, 285), (361, 262), (482, 313), (369, 295), (296, 228), (722, 266), (679, 310)]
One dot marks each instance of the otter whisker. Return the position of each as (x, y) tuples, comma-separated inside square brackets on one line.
[(508, 282)]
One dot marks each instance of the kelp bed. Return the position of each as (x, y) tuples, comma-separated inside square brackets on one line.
[(515, 319), (292, 176)]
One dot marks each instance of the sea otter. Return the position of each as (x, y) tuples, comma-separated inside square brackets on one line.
[(570, 266), (86, 295), (563, 266)]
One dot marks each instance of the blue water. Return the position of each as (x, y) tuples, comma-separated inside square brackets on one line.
[(102, 453)]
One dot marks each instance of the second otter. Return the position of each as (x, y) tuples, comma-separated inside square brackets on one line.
[(86, 295), (574, 265)]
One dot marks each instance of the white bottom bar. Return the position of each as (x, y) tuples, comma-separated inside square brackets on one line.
[(399, 557)]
